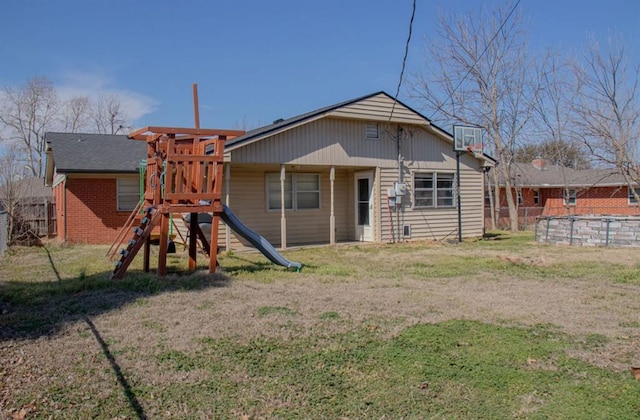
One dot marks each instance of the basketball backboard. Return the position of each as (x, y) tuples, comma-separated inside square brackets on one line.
[(467, 139)]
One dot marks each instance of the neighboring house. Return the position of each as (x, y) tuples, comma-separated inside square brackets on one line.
[(96, 183), (335, 169), (33, 203), (549, 190)]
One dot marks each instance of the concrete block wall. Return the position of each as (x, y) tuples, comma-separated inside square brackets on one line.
[(589, 230)]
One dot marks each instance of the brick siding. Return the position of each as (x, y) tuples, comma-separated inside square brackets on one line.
[(91, 215)]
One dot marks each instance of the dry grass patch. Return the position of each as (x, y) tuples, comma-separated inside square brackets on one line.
[(257, 340)]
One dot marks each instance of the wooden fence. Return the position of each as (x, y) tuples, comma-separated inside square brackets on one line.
[(40, 217)]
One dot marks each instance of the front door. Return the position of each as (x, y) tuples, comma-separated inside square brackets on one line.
[(364, 206)]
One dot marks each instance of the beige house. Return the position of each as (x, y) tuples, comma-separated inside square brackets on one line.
[(370, 169)]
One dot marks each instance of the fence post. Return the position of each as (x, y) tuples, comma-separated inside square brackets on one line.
[(571, 220), (4, 232)]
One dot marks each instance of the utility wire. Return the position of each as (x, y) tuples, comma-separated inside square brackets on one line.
[(504, 22), (404, 59)]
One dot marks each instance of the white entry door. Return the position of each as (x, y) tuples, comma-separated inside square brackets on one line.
[(364, 206)]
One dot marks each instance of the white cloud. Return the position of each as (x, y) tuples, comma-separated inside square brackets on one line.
[(94, 85)]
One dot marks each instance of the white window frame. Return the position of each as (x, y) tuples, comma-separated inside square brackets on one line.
[(536, 197), (434, 190), (631, 197), (296, 189), (125, 191), (372, 131), (570, 197)]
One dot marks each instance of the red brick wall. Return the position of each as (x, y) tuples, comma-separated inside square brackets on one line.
[(597, 200), (91, 215)]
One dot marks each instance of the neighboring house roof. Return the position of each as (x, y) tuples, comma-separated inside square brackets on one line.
[(549, 176), (285, 124), (27, 190), (92, 153), (31, 187)]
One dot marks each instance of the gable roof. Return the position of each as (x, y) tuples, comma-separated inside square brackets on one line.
[(527, 175), (286, 124), (93, 153)]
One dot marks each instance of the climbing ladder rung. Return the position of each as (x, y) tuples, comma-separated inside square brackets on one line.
[(141, 233)]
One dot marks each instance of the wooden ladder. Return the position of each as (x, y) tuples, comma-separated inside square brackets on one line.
[(119, 240), (140, 235)]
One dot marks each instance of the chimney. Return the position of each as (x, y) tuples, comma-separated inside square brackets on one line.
[(540, 164)]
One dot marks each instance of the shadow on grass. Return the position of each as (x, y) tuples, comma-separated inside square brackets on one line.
[(494, 236), (31, 309), (122, 380), (250, 266)]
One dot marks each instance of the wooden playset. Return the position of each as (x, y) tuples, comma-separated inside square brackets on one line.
[(184, 170)]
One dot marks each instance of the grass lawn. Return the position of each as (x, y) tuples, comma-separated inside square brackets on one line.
[(495, 328)]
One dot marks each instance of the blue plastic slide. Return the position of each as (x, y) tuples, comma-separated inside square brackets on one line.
[(256, 240)]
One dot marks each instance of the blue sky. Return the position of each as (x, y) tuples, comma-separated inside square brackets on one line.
[(255, 60)]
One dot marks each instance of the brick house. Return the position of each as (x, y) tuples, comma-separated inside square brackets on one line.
[(548, 190), (95, 181)]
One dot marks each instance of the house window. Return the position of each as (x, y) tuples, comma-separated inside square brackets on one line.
[(433, 189), (632, 198), (536, 197), (301, 191), (520, 199), (569, 197), (128, 193), (372, 132)]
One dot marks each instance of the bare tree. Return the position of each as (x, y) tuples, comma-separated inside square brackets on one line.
[(478, 74), (75, 114), (608, 108), (107, 115), (27, 113), (13, 191)]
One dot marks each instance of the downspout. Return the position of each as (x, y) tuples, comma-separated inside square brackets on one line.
[(64, 208), (399, 206)]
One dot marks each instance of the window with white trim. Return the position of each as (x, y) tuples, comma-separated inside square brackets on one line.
[(301, 191), (632, 198), (536, 197), (372, 132), (128, 193), (569, 197), (433, 189)]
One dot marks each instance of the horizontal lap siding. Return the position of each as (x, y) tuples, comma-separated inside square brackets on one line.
[(341, 142), (248, 201), (433, 223), (329, 141), (379, 108)]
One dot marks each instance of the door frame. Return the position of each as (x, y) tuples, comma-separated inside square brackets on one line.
[(364, 233)]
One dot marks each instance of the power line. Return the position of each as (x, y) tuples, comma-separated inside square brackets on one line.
[(504, 22), (404, 59)]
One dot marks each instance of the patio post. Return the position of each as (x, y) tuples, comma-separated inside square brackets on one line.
[(283, 219), (332, 217), (227, 182)]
